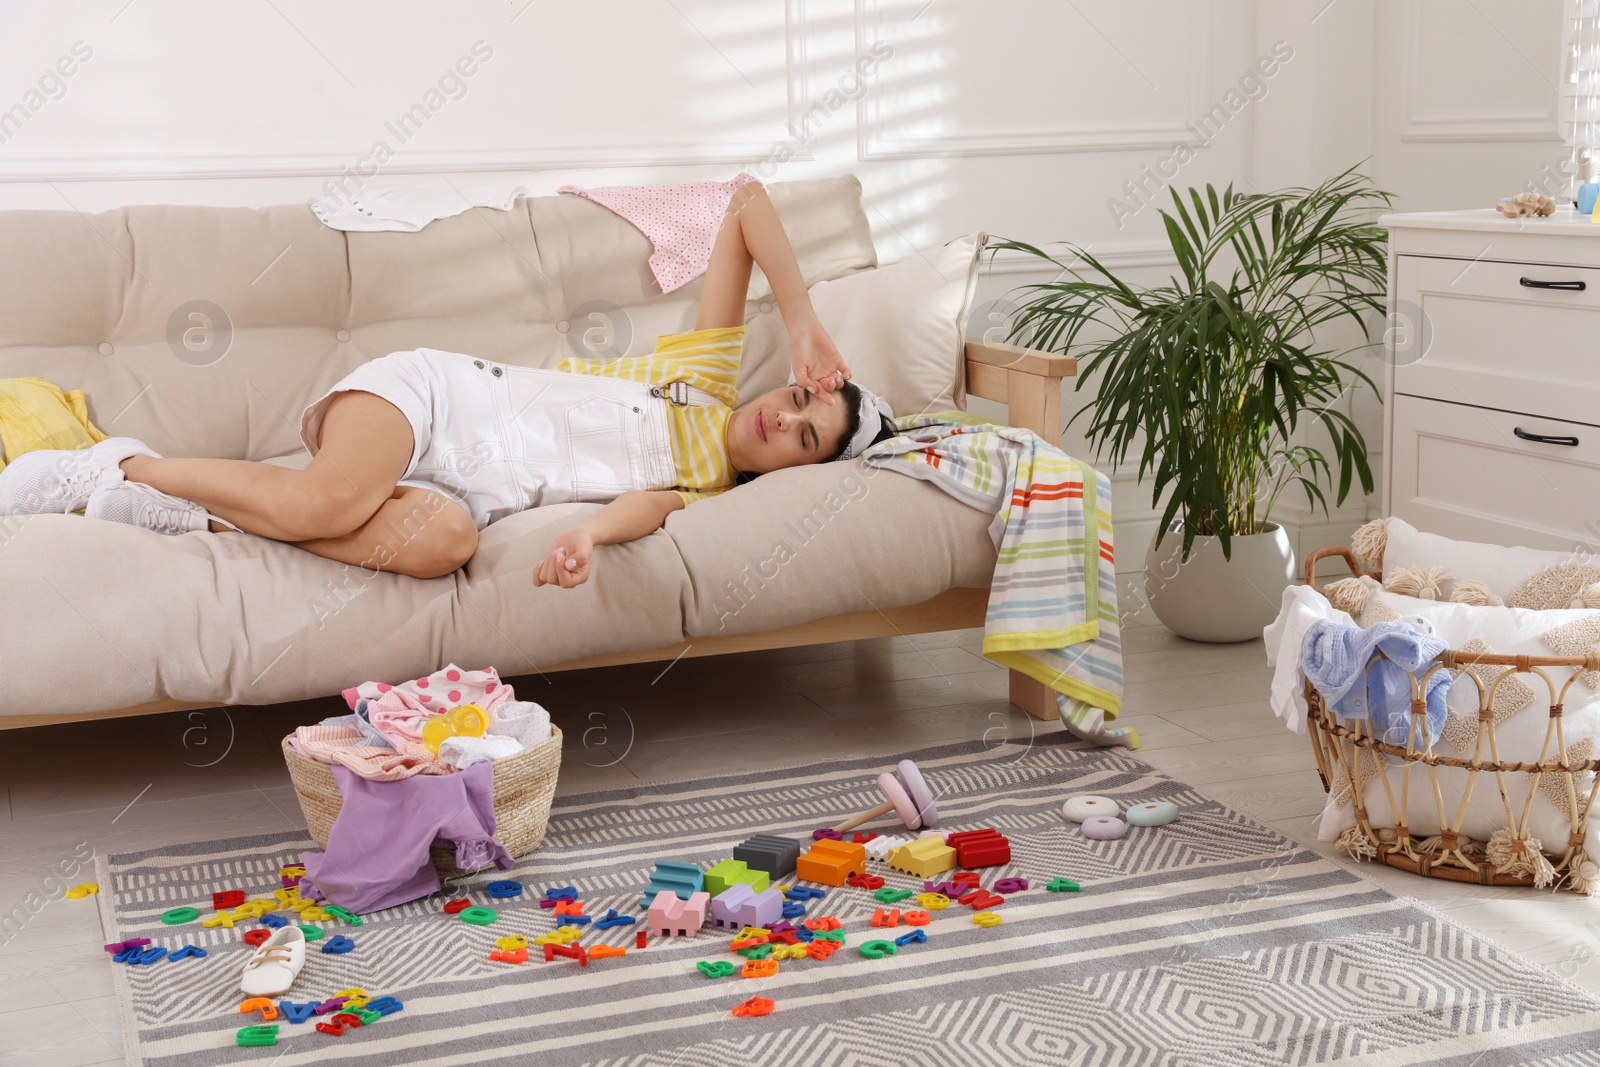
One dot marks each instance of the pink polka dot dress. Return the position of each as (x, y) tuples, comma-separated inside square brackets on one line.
[(398, 711), (681, 221)]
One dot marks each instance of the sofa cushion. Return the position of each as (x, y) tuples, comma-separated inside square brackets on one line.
[(120, 616), (808, 542), (903, 328)]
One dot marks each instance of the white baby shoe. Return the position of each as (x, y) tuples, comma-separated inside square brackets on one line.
[(57, 481), (138, 504), (276, 964)]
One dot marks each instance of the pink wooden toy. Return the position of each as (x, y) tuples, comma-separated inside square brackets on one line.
[(671, 916)]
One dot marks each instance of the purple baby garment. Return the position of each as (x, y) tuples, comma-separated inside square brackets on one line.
[(377, 853)]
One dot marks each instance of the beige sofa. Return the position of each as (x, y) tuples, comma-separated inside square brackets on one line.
[(103, 619)]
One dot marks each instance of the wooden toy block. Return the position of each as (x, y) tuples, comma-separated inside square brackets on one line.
[(769, 852), (729, 873), (832, 862), (725, 903), (672, 917), (879, 847), (742, 906), (682, 879), (980, 848), (924, 857)]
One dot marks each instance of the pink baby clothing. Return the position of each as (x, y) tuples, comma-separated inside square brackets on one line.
[(681, 221), (346, 746), (398, 711)]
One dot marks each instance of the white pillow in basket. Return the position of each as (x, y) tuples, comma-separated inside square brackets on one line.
[(1523, 705), (1499, 567)]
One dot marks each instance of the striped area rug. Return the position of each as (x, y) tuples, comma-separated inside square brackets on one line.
[(1211, 941)]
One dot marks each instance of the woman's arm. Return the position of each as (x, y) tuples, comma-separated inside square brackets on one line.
[(627, 518), (752, 233)]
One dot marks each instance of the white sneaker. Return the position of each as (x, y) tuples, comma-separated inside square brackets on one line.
[(57, 481), (138, 504), (276, 964)]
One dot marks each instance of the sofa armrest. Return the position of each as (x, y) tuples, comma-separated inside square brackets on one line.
[(1026, 380)]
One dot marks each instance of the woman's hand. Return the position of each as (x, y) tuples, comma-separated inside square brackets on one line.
[(568, 563), (819, 369)]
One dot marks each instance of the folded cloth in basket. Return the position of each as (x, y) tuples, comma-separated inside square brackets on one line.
[(377, 854), (461, 751), (522, 719), (347, 746), (1335, 658), (398, 711)]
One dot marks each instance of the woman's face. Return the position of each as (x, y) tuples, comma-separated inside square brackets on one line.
[(785, 428)]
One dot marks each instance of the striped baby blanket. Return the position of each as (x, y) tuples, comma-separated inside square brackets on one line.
[(1053, 604)]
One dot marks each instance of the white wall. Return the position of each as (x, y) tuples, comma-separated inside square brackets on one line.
[(1036, 119)]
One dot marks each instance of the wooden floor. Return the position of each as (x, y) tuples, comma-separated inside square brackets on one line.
[(127, 784)]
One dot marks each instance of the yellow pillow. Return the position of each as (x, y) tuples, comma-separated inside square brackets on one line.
[(35, 413)]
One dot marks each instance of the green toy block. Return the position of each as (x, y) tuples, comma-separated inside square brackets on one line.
[(1063, 885), (729, 873)]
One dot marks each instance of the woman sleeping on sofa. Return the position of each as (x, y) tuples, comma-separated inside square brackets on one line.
[(459, 442)]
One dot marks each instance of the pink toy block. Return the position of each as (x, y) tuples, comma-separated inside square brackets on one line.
[(669, 916), (739, 906)]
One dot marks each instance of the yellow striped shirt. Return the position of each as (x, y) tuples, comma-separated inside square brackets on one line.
[(707, 359)]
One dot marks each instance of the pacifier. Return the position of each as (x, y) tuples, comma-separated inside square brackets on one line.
[(468, 720)]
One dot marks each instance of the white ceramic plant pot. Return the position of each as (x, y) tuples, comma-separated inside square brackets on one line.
[(1209, 598)]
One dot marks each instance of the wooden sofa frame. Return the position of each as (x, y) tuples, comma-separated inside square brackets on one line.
[(1028, 382)]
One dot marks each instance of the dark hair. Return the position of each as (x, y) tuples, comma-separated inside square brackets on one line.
[(850, 396)]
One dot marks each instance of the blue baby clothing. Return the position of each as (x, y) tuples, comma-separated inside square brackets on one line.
[(1334, 658)]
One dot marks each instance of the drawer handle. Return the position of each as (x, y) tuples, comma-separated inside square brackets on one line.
[(1571, 287), (1545, 439)]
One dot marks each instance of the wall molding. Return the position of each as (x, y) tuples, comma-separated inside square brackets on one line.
[(873, 143), (1420, 127), (140, 166), (149, 166)]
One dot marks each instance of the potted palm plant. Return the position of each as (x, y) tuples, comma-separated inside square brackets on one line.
[(1208, 379)]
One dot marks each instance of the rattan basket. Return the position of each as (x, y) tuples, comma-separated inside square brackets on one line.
[(524, 785), (1342, 745)]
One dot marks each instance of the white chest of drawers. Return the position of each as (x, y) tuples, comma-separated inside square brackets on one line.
[(1492, 377)]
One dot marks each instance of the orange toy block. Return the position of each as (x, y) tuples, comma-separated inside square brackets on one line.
[(605, 952), (831, 862), (568, 907)]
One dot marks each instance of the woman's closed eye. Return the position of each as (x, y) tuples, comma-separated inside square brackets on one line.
[(808, 433)]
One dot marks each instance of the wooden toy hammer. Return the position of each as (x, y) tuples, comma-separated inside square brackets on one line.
[(908, 795)]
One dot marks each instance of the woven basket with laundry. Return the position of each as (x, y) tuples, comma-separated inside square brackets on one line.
[(524, 786), (1482, 766)]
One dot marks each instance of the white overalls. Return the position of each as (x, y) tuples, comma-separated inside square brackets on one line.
[(498, 439)]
